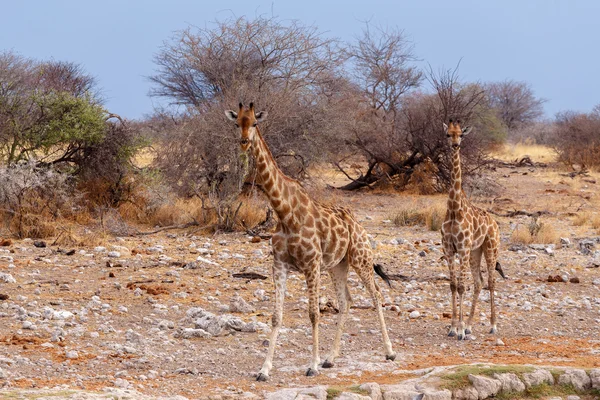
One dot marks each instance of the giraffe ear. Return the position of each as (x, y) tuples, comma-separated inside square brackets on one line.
[(467, 130), (232, 115), (261, 115), (445, 127)]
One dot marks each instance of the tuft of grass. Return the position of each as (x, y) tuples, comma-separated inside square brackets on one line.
[(535, 232), (335, 391), (432, 217), (459, 378)]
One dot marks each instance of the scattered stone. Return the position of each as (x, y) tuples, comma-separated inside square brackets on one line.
[(576, 377), (190, 333), (99, 249), (39, 244), (6, 242), (72, 355), (566, 242), (499, 342), (352, 396), (486, 387), (207, 261), (114, 254), (4, 296), (7, 278), (538, 377), (574, 280), (468, 393), (595, 378), (239, 305), (2, 374), (415, 314), (510, 382), (586, 246), (255, 239), (372, 389)]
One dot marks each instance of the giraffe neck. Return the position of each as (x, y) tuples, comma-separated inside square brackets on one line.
[(454, 199), (278, 187)]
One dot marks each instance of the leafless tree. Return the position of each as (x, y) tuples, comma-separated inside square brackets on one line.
[(287, 69), (402, 134), (515, 103), (576, 139)]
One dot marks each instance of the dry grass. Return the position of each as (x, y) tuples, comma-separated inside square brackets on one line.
[(587, 218), (535, 232), (431, 216), (537, 153)]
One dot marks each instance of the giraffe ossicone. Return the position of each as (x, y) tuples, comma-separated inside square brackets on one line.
[(310, 238), (468, 232)]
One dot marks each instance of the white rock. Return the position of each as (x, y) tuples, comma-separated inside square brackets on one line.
[(207, 261), (239, 305), (595, 378), (486, 387), (114, 254), (72, 355), (7, 278), (576, 377), (510, 382), (538, 377), (62, 314), (99, 249), (415, 314)]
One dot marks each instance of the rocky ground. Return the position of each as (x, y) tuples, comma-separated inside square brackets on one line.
[(178, 313)]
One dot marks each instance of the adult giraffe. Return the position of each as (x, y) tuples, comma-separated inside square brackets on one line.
[(310, 238), (467, 232)]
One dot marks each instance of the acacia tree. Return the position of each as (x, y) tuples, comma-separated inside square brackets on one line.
[(46, 109), (515, 103)]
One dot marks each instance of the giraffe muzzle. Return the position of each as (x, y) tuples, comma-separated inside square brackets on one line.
[(456, 146), (244, 142)]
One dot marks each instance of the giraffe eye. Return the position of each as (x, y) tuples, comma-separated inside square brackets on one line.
[(448, 135), (254, 124)]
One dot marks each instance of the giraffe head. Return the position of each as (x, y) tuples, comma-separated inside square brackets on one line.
[(246, 119), (455, 133)]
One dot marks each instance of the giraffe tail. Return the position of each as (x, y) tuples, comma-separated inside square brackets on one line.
[(499, 269), (379, 271)]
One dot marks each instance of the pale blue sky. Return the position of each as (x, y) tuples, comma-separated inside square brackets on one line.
[(552, 44)]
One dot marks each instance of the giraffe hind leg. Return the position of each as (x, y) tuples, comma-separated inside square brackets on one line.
[(366, 274), (339, 277)]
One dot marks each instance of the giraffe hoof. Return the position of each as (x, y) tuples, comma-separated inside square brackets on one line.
[(327, 364), (460, 336), (451, 333), (493, 331), (467, 331), (262, 377), (390, 357), (312, 372)]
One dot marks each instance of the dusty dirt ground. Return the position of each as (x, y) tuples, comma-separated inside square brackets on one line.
[(97, 319)]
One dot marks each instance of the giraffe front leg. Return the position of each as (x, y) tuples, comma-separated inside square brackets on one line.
[(475, 262), (279, 278), (313, 283), (462, 278), (449, 256)]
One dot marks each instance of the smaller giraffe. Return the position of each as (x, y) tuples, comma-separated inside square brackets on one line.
[(468, 232), (310, 238)]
